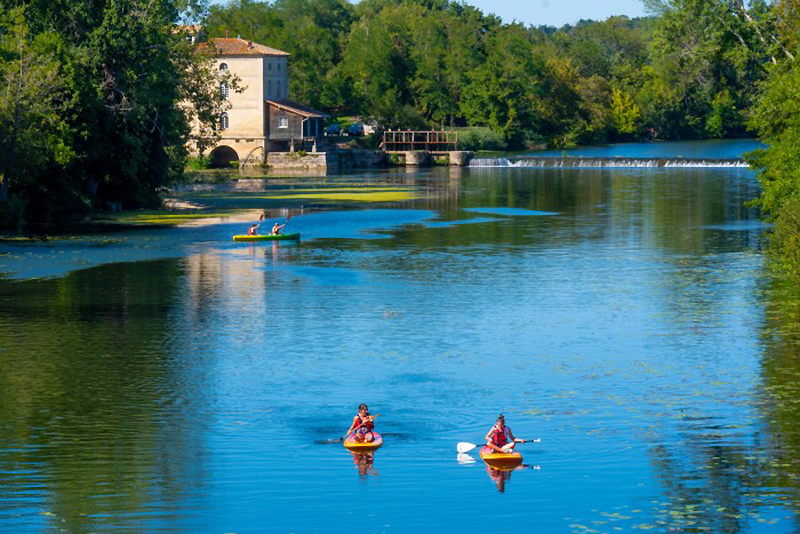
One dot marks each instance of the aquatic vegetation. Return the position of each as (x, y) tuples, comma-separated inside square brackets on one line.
[(161, 218), (347, 196)]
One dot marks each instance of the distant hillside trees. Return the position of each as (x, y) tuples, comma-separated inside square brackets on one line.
[(690, 71)]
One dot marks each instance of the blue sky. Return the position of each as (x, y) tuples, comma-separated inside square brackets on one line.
[(553, 12), (558, 12)]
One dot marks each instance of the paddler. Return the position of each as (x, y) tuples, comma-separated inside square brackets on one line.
[(254, 227), (500, 438), (363, 425), (276, 229)]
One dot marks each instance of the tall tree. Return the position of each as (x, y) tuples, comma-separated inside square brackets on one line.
[(33, 103)]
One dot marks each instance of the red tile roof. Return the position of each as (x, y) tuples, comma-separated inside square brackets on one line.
[(242, 47)]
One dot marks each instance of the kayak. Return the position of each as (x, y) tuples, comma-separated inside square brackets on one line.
[(356, 446), (508, 460), (267, 237)]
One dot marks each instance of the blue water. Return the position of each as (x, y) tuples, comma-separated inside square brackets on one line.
[(176, 381)]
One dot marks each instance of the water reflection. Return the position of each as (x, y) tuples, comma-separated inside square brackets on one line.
[(500, 476), (365, 463), (635, 324), (87, 434)]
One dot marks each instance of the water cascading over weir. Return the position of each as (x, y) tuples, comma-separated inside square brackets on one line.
[(603, 163)]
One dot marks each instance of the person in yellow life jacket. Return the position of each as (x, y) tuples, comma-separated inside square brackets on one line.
[(500, 438)]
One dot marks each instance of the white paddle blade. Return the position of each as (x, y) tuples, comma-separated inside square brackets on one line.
[(464, 447), (465, 459)]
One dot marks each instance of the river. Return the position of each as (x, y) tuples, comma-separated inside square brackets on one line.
[(170, 380)]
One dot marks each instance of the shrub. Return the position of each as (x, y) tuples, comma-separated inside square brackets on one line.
[(480, 138), (198, 163)]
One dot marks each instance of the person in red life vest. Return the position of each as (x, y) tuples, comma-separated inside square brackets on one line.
[(253, 229), (363, 425), (276, 230), (500, 438)]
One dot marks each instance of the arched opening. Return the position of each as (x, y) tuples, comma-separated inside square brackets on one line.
[(224, 157)]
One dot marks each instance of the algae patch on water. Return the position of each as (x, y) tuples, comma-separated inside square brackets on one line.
[(318, 195), (168, 218), (349, 196)]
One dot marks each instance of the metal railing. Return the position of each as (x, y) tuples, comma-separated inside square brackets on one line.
[(434, 141)]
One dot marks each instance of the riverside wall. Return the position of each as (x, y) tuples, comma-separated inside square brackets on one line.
[(344, 159)]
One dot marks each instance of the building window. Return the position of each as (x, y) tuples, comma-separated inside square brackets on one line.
[(223, 91), (269, 65), (224, 122), (269, 88), (277, 91), (283, 122), (278, 66), (223, 66)]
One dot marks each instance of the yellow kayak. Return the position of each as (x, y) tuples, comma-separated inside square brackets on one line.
[(508, 460), (368, 446)]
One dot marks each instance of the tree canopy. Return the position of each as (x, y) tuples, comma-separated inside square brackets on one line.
[(91, 107), (95, 92)]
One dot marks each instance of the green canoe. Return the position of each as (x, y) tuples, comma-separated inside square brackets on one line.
[(267, 237)]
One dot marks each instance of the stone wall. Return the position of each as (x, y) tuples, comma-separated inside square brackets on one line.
[(460, 158), (361, 158), (343, 159), (301, 160)]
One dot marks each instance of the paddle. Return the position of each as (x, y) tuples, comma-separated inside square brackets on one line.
[(340, 440), (464, 447)]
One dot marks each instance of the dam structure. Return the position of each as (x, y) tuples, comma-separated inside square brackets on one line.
[(549, 162)]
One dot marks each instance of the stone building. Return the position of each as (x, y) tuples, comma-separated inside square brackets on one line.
[(262, 118)]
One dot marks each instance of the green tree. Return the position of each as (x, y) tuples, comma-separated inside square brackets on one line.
[(111, 124), (624, 113), (33, 103), (777, 120), (502, 92)]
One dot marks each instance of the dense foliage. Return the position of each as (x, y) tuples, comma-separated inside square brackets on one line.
[(777, 120), (91, 105), (94, 92), (691, 71)]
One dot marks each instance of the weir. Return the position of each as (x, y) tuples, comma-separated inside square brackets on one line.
[(534, 162)]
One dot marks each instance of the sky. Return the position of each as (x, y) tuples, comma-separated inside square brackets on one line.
[(552, 12), (558, 12)]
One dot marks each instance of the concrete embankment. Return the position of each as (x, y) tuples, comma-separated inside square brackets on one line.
[(343, 159)]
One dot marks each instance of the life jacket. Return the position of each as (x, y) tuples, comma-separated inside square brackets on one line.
[(253, 230), (499, 437), (364, 425)]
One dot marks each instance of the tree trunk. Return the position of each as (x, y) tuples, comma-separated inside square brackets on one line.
[(4, 190)]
